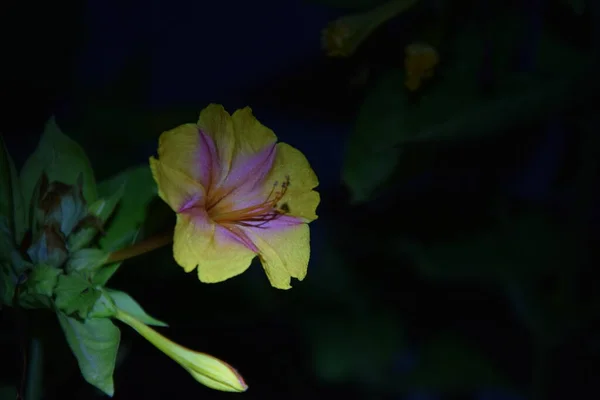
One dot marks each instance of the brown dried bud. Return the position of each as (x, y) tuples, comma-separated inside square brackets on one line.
[(62, 205), (49, 246)]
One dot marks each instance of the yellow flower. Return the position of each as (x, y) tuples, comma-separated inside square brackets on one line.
[(204, 368), (237, 194), (419, 62)]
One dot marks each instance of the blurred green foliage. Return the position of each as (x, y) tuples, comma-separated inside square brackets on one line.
[(448, 364), (503, 72), (455, 107)]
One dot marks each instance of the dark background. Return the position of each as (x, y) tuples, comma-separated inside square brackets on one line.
[(372, 320)]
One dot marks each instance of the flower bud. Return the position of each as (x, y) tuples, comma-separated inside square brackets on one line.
[(48, 246), (204, 368), (63, 205)]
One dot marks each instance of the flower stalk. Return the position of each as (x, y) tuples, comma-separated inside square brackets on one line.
[(145, 246)]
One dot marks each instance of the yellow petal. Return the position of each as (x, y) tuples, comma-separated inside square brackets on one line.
[(236, 137), (179, 148), (251, 135), (284, 252), (176, 188), (216, 251), (190, 239), (216, 123), (299, 197), (206, 369)]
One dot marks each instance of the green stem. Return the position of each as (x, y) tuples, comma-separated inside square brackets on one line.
[(150, 334), (35, 368), (140, 248)]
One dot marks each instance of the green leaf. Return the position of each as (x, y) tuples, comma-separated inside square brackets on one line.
[(102, 209), (453, 108), (7, 242), (86, 261), (139, 190), (75, 294), (95, 343), (35, 215), (370, 154), (42, 280), (105, 307), (104, 274), (8, 283), (9, 252), (449, 365), (62, 159), (517, 104), (390, 117), (37, 291), (11, 198), (12, 265), (126, 303)]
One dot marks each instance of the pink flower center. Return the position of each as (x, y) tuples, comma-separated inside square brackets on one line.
[(256, 215)]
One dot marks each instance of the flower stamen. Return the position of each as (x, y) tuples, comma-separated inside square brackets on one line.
[(259, 214)]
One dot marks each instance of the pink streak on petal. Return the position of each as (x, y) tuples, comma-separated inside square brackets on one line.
[(243, 234), (227, 233), (281, 223), (248, 171), (271, 228), (199, 217), (196, 200), (234, 232), (208, 161), (243, 184)]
